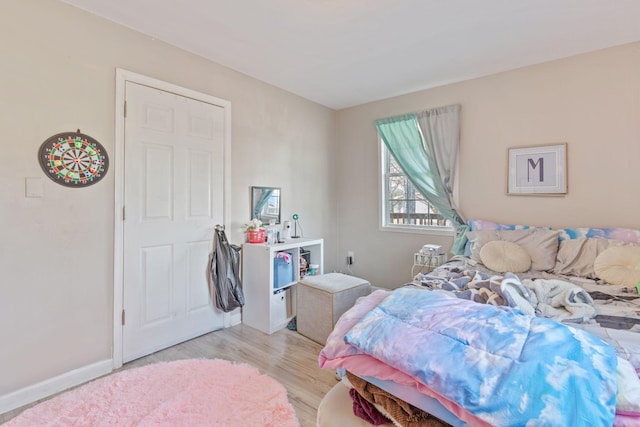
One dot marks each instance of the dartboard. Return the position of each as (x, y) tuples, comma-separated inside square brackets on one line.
[(73, 159)]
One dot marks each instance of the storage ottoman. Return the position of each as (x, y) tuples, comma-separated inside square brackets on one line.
[(321, 300)]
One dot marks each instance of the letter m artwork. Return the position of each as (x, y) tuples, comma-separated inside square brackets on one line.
[(538, 170), (531, 169)]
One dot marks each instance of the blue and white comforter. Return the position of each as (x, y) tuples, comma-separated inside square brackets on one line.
[(504, 367)]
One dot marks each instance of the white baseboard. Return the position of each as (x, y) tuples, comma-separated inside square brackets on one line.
[(32, 393), (233, 318)]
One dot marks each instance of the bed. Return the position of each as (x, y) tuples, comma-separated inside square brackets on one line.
[(532, 326)]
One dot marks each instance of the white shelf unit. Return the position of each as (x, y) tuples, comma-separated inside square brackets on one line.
[(268, 308)]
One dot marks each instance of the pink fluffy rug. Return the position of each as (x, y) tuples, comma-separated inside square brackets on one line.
[(181, 393)]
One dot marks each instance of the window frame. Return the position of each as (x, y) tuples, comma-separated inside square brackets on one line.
[(383, 177)]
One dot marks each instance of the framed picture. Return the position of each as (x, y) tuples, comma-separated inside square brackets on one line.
[(539, 170)]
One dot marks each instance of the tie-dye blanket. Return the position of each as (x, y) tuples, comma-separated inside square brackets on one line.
[(504, 367)]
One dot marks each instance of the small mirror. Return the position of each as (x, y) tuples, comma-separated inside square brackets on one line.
[(265, 204)]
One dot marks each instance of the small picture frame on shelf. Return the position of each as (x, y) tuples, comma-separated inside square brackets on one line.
[(305, 260), (537, 170)]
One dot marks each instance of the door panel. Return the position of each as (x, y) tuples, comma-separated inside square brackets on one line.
[(198, 290), (173, 198), (200, 179), (158, 178), (156, 284)]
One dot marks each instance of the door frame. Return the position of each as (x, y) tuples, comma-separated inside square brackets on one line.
[(123, 76)]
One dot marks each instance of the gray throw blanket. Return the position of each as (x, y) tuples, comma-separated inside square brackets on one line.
[(555, 299)]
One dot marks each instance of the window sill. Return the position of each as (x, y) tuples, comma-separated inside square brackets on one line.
[(434, 231)]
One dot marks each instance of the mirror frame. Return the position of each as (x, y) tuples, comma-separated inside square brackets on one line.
[(257, 195)]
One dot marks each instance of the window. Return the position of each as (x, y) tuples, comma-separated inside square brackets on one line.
[(403, 207)]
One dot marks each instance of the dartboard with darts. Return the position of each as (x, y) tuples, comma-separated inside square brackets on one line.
[(73, 159)]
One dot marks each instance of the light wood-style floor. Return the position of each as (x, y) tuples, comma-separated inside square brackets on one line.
[(286, 356)]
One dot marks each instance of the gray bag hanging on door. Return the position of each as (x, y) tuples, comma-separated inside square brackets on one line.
[(224, 274)]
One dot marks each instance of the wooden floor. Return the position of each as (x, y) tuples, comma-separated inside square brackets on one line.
[(286, 356)]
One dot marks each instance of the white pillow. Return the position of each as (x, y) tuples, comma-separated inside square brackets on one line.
[(619, 265), (503, 256), (576, 257), (541, 245)]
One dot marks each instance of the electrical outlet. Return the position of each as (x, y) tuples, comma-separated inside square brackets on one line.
[(350, 258)]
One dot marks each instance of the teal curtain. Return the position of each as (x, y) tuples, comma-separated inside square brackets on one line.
[(403, 137)]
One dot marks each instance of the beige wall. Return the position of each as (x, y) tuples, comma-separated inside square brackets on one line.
[(58, 69), (590, 101), (56, 252)]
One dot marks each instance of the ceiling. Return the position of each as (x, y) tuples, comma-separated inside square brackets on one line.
[(342, 53)]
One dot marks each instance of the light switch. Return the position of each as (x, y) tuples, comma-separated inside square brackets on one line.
[(34, 187)]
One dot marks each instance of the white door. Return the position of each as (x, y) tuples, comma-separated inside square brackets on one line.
[(173, 198)]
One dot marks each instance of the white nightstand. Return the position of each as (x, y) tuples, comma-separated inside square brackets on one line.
[(424, 263)]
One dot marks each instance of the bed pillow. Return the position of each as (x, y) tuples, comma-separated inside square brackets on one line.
[(619, 265), (503, 256), (577, 256), (541, 245), (477, 239), (481, 224)]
